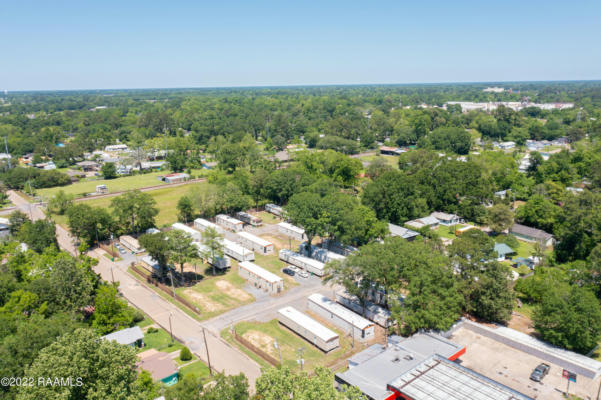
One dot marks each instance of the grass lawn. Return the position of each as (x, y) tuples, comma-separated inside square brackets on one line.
[(525, 249), (165, 198), (393, 161), (217, 294), (145, 322), (268, 218), (527, 309), (273, 264), (290, 342), (160, 340), (178, 361), (197, 368), (114, 185), (448, 231)]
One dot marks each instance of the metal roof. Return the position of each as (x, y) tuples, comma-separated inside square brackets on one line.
[(125, 336), (306, 260), (260, 272), (228, 219), (291, 227), (308, 323), (235, 247), (255, 239), (340, 311), (502, 249), (437, 378), (405, 233), (530, 232), (185, 228)]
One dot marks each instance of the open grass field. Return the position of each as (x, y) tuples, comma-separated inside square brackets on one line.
[(263, 336), (160, 340), (268, 218), (166, 199), (393, 161), (197, 368), (214, 295)]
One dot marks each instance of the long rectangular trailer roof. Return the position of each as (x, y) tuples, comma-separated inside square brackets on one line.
[(260, 272), (309, 323), (255, 239), (341, 311), (291, 227)]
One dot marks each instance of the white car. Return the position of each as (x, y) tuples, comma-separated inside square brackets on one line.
[(293, 268), (303, 274)]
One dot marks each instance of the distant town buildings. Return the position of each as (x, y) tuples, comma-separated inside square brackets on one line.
[(467, 106), (493, 90)]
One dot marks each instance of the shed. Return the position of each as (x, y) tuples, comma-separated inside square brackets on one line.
[(229, 223), (260, 277), (178, 177), (292, 231), (129, 337), (219, 262), (254, 243), (351, 323), (249, 218), (305, 326)]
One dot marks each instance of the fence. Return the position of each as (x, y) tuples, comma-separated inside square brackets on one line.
[(111, 250), (271, 360), (165, 288)]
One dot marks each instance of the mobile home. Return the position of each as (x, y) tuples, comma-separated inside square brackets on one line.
[(292, 231), (237, 252), (203, 224), (274, 209), (193, 233), (373, 312), (308, 264), (249, 219), (351, 323), (319, 254), (254, 243), (260, 277), (220, 262), (323, 338), (131, 243), (229, 223), (337, 247)]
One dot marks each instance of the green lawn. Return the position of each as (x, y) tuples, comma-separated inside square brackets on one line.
[(274, 265), (393, 161), (145, 322), (448, 231), (197, 368), (160, 340), (217, 294), (290, 342), (268, 218), (166, 199)]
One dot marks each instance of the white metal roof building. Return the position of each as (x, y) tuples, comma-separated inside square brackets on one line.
[(274, 209), (308, 328), (319, 253), (403, 232), (260, 277), (202, 224), (350, 322), (237, 252), (193, 233), (308, 264), (219, 262), (254, 243), (292, 231), (373, 312), (230, 223), (128, 336), (131, 243)]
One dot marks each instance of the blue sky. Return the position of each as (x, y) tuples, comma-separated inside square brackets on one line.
[(147, 44)]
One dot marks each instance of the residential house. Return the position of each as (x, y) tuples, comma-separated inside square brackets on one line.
[(160, 365), (504, 252), (129, 337), (400, 231), (419, 223), (534, 235), (446, 219)]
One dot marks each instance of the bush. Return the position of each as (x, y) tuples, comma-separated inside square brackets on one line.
[(185, 354), (152, 329), (138, 316)]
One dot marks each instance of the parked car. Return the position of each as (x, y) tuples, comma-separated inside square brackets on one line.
[(540, 372), (303, 274), (293, 268), (288, 271)]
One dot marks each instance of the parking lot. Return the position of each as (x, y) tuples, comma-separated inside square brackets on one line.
[(512, 368)]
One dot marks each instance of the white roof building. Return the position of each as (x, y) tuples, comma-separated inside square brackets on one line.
[(309, 323)]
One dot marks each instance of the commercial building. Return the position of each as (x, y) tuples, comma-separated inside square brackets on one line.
[(403, 232), (203, 224), (178, 177), (254, 243), (529, 234), (349, 322), (204, 253), (292, 231), (249, 218), (237, 252), (308, 264), (371, 311), (229, 223), (274, 209), (193, 233), (260, 277), (129, 337), (319, 253), (131, 243), (321, 337)]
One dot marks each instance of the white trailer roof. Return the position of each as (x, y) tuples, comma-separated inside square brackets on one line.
[(260, 272), (235, 247), (291, 227), (340, 311), (229, 219), (205, 223), (314, 263), (309, 323), (255, 239), (185, 228)]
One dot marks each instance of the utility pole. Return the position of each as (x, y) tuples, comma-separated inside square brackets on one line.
[(277, 346), (172, 286), (170, 327), (301, 360), (204, 335), (6, 148), (112, 275)]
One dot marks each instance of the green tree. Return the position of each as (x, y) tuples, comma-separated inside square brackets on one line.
[(107, 370), (499, 217), (109, 171), (185, 209), (89, 223), (377, 167), (309, 211), (234, 387), (112, 312), (456, 140), (16, 221), (158, 248), (491, 296), (538, 212), (38, 235), (60, 202), (180, 248), (212, 241), (135, 211), (185, 354)]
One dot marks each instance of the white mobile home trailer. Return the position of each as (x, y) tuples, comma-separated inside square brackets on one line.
[(351, 323), (193, 233), (237, 252), (260, 277), (339, 248), (274, 209), (308, 264), (203, 224), (254, 243), (131, 243), (305, 326), (249, 219), (292, 231), (220, 262), (229, 223), (373, 312), (319, 254)]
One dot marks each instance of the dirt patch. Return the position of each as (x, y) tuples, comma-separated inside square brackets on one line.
[(521, 323), (232, 291), (205, 303), (261, 340)]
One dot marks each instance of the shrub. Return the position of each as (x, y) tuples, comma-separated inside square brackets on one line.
[(185, 354), (152, 329)]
